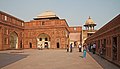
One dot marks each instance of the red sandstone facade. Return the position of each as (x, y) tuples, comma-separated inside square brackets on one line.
[(75, 35), (108, 39), (47, 31), (56, 32), (10, 26)]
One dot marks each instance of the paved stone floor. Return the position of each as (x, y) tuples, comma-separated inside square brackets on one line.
[(104, 63), (46, 59)]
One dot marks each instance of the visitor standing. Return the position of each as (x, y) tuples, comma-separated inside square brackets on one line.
[(38, 47), (84, 51), (79, 46), (94, 48), (71, 47), (67, 48), (41, 46)]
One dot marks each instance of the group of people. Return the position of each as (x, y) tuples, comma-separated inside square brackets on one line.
[(40, 47), (92, 48), (69, 48)]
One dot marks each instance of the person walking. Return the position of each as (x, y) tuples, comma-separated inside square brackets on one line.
[(84, 51), (38, 47), (41, 47), (71, 47), (67, 48), (79, 46)]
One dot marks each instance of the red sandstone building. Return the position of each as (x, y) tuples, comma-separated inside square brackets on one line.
[(11, 31), (46, 30), (75, 35), (49, 31), (107, 40)]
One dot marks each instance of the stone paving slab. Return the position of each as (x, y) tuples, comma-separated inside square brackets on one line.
[(53, 59)]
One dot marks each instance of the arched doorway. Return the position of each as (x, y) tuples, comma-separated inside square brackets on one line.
[(30, 45), (58, 45), (43, 40), (13, 40)]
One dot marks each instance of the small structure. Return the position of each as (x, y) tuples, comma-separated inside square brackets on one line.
[(89, 25), (75, 35)]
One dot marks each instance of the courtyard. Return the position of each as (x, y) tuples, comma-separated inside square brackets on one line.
[(46, 59)]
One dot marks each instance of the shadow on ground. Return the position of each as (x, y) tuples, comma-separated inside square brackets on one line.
[(8, 58), (103, 62), (81, 56)]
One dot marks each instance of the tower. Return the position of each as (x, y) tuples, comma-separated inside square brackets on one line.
[(89, 25)]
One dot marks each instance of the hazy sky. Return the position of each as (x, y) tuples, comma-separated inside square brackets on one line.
[(76, 12)]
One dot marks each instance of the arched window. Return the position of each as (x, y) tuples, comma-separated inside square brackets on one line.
[(40, 39), (46, 39)]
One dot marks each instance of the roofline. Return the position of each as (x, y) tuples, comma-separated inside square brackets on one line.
[(11, 16), (75, 26)]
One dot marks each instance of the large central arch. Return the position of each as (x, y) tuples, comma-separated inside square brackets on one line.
[(13, 40), (43, 40)]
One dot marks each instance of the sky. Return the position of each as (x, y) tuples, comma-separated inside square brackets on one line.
[(76, 12)]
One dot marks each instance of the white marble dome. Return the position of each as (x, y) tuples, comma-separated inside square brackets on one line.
[(47, 14)]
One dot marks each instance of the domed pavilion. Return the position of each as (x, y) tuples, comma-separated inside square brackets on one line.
[(89, 24)]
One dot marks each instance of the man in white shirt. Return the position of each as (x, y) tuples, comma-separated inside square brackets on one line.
[(94, 48), (80, 46)]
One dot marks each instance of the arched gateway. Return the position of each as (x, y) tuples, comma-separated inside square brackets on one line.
[(13, 40), (43, 40)]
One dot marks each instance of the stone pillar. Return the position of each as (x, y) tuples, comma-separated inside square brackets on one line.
[(118, 48), (1, 38)]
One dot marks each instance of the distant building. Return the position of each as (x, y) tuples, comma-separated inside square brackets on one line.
[(75, 35)]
